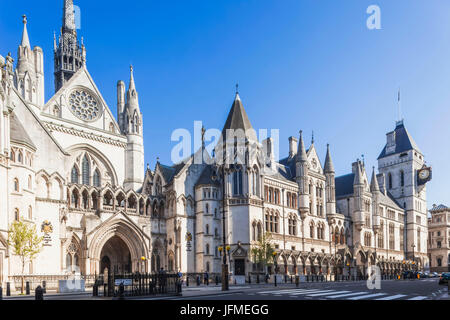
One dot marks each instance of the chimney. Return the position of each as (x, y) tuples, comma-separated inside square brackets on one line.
[(292, 147), (268, 149)]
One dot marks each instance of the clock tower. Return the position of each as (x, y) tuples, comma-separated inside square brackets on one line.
[(406, 174)]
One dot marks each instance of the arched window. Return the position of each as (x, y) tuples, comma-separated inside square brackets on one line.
[(207, 208), (390, 180), (74, 175), (30, 185), (207, 229), (16, 185), (237, 182), (207, 266), (402, 178), (20, 157), (30, 212), (16, 214), (311, 231), (12, 156), (85, 167), (207, 248), (96, 178)]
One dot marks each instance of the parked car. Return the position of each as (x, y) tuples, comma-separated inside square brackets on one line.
[(443, 279), (434, 275), (426, 274)]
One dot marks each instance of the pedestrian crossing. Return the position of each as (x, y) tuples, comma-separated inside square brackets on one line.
[(339, 294)]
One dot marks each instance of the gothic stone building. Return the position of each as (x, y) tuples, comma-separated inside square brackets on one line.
[(439, 238), (77, 173)]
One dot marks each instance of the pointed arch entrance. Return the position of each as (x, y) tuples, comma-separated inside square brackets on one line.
[(119, 246), (115, 256)]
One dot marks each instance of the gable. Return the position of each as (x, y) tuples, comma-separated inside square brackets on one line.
[(80, 102), (313, 160)]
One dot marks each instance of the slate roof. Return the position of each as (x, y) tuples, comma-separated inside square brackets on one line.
[(344, 185), (18, 133), (205, 177), (169, 172), (237, 118), (440, 207), (403, 141)]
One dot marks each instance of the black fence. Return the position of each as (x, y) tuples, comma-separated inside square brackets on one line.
[(136, 284)]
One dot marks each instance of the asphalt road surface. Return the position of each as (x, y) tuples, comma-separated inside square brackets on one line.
[(425, 289)]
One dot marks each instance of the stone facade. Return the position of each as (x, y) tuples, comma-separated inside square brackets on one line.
[(69, 167), (439, 238)]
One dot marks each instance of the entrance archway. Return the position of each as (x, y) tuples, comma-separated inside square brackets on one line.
[(115, 256)]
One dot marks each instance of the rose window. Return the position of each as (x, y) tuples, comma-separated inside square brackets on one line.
[(84, 105)]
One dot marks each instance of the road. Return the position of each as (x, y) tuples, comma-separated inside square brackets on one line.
[(425, 289)]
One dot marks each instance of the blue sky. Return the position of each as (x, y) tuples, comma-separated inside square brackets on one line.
[(300, 64)]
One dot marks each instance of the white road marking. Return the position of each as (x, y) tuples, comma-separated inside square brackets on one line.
[(326, 294), (418, 298), (367, 296), (392, 297), (346, 295)]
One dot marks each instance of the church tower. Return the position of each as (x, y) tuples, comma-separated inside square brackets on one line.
[(406, 173), (69, 56), (132, 127), (29, 73)]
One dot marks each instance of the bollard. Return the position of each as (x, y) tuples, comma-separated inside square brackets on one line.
[(27, 287), (1, 293), (296, 281), (39, 293), (121, 291), (198, 280), (44, 286), (187, 281), (95, 290), (217, 280), (275, 282), (8, 289), (291, 278), (257, 278), (249, 279)]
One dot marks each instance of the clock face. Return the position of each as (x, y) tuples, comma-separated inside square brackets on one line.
[(424, 174)]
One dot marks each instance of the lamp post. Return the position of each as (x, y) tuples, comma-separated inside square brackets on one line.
[(275, 265), (224, 261), (413, 262), (143, 263)]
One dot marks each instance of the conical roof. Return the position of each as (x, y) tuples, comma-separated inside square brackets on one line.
[(358, 174), (25, 39), (301, 151), (374, 182), (329, 167), (237, 118)]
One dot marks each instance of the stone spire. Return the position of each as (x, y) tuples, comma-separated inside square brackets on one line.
[(132, 95), (25, 40), (301, 152), (358, 174), (68, 17), (69, 55), (374, 182), (329, 167)]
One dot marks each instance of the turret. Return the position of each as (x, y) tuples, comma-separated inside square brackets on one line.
[(301, 171), (330, 188), (29, 73), (358, 189), (120, 104), (375, 189), (132, 128)]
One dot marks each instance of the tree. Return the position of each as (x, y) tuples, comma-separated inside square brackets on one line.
[(25, 242), (263, 251)]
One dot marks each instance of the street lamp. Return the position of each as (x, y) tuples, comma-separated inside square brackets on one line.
[(413, 246), (224, 261), (275, 265)]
